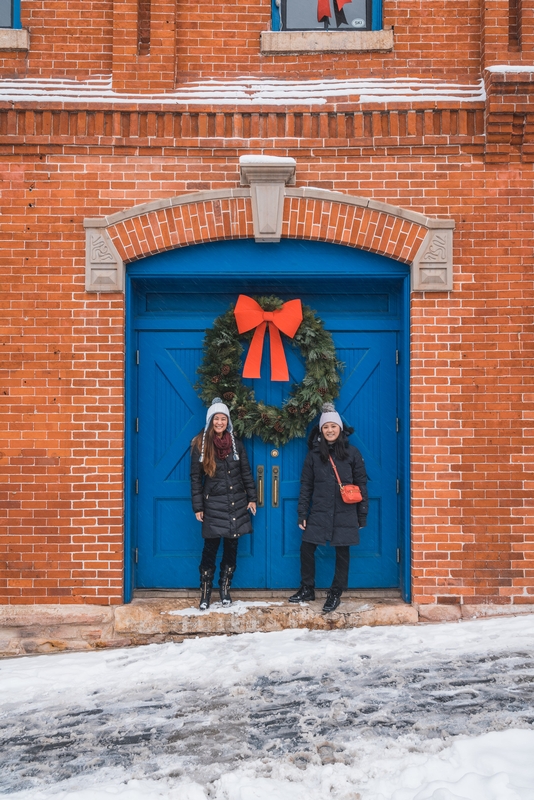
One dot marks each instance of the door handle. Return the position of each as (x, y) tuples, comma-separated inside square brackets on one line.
[(260, 477), (276, 487)]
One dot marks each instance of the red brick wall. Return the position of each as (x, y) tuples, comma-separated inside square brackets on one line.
[(62, 370), (67, 40), (61, 379), (204, 41), (428, 40), (81, 39)]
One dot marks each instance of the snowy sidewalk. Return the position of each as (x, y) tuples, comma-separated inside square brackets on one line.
[(441, 712)]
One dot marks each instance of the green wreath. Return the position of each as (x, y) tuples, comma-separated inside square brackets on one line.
[(221, 367)]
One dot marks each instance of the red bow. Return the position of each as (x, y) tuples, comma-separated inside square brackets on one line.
[(323, 8), (249, 314)]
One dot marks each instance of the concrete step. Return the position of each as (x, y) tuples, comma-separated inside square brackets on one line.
[(175, 618)]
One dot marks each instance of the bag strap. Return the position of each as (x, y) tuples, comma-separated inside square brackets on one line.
[(336, 472)]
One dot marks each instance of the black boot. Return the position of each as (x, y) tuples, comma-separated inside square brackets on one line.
[(206, 583), (304, 594), (333, 599), (225, 581)]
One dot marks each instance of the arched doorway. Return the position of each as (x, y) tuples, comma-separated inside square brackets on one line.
[(172, 298)]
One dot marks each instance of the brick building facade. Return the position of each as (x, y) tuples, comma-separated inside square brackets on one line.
[(128, 120)]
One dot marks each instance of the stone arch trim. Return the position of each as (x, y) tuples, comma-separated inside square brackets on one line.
[(318, 215)]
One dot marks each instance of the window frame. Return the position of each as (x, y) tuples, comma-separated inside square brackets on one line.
[(15, 17), (376, 18)]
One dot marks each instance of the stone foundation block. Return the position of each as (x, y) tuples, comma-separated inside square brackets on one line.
[(490, 610), (439, 613)]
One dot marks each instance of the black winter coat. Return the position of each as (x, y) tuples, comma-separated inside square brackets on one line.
[(330, 519), (224, 497)]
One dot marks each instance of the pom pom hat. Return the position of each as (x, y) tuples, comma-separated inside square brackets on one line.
[(218, 407), (330, 415)]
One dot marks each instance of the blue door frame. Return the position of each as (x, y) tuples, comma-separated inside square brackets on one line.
[(281, 269)]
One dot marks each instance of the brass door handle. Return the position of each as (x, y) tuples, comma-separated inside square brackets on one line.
[(260, 477), (276, 487)]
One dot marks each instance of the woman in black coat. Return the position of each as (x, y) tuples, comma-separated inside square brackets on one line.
[(223, 493), (323, 516)]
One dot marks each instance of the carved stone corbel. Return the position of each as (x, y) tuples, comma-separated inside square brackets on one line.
[(432, 266), (104, 267), (267, 177)]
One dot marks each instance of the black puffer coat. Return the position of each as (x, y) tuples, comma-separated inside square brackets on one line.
[(224, 497), (330, 519)]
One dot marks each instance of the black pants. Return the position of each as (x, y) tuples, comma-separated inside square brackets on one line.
[(307, 566), (209, 553)]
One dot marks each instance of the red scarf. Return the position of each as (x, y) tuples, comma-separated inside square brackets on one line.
[(223, 445)]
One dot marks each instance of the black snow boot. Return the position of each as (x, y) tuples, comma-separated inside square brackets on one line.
[(206, 584), (303, 595), (225, 581), (333, 599)]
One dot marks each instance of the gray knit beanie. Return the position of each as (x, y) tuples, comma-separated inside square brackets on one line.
[(218, 407), (330, 415)]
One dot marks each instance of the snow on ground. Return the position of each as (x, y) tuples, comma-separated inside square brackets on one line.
[(239, 607), (438, 712)]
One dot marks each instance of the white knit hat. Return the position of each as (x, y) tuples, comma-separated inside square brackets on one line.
[(218, 407), (330, 415)]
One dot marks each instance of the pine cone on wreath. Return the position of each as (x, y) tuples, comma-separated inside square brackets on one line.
[(228, 396), (322, 391), (241, 413), (278, 427), (225, 369), (305, 408), (215, 379), (292, 410), (265, 418)]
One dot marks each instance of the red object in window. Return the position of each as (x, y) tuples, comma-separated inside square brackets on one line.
[(323, 8)]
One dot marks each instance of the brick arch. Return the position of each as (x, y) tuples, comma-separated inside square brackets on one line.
[(315, 215)]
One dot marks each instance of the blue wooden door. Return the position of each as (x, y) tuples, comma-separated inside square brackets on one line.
[(368, 402), (169, 415)]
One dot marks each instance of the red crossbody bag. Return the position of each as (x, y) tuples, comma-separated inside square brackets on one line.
[(350, 493)]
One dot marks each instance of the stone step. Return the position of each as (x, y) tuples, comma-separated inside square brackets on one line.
[(256, 612), (35, 629)]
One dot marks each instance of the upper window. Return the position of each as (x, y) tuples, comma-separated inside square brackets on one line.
[(309, 15), (9, 14)]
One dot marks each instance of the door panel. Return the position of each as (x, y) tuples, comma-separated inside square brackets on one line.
[(170, 414), (368, 402)]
